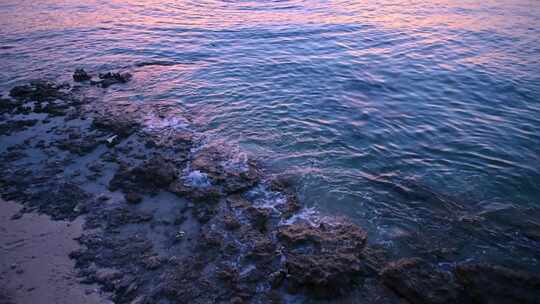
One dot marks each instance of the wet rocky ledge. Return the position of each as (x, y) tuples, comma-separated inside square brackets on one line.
[(172, 217)]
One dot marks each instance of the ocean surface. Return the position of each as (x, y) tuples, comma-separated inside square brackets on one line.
[(418, 120)]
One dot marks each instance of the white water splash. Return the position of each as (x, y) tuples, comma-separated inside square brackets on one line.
[(153, 122), (263, 197), (311, 216), (236, 162), (197, 179)]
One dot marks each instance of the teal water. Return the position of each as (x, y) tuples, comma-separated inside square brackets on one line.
[(419, 120)]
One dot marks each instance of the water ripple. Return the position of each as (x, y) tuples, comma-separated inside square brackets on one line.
[(354, 98)]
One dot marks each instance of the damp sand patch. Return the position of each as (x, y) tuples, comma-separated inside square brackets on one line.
[(34, 261)]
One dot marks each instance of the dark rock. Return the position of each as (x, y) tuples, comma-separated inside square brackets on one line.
[(160, 63), (492, 284), (325, 260), (237, 300), (258, 217), (133, 198), (108, 79), (420, 282), (103, 198), (78, 141), (80, 75), (116, 217), (14, 126), (7, 105), (263, 248), (226, 167), (61, 201), (204, 212), (155, 174), (105, 275), (198, 194), (119, 125), (230, 222), (38, 91), (152, 262), (277, 278)]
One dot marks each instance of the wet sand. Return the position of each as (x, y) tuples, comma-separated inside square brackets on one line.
[(34, 262)]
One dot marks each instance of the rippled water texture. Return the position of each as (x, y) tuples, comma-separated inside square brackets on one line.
[(420, 120)]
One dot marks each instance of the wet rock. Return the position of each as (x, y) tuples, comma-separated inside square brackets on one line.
[(7, 105), (263, 248), (78, 141), (230, 222), (152, 262), (38, 91), (237, 300), (108, 79), (13, 153), (107, 275), (157, 171), (61, 201), (116, 217), (209, 194), (154, 174), (258, 217), (139, 300), (13, 126), (133, 198), (323, 261), (236, 201), (117, 124), (226, 167), (158, 62), (420, 282), (277, 278), (498, 285), (80, 75), (204, 212), (103, 198), (524, 221)]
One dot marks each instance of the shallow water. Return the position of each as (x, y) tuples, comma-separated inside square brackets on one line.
[(405, 116)]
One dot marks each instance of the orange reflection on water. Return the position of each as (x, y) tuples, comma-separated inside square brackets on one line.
[(223, 15)]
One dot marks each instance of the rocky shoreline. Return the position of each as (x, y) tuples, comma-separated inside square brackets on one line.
[(171, 217)]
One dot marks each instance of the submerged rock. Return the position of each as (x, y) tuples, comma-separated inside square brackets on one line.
[(420, 282), (498, 285), (80, 75), (39, 91), (108, 79), (7, 105), (13, 126)]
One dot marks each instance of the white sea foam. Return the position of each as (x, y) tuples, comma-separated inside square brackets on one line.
[(236, 162), (198, 179), (263, 197), (154, 122), (246, 270), (311, 216)]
